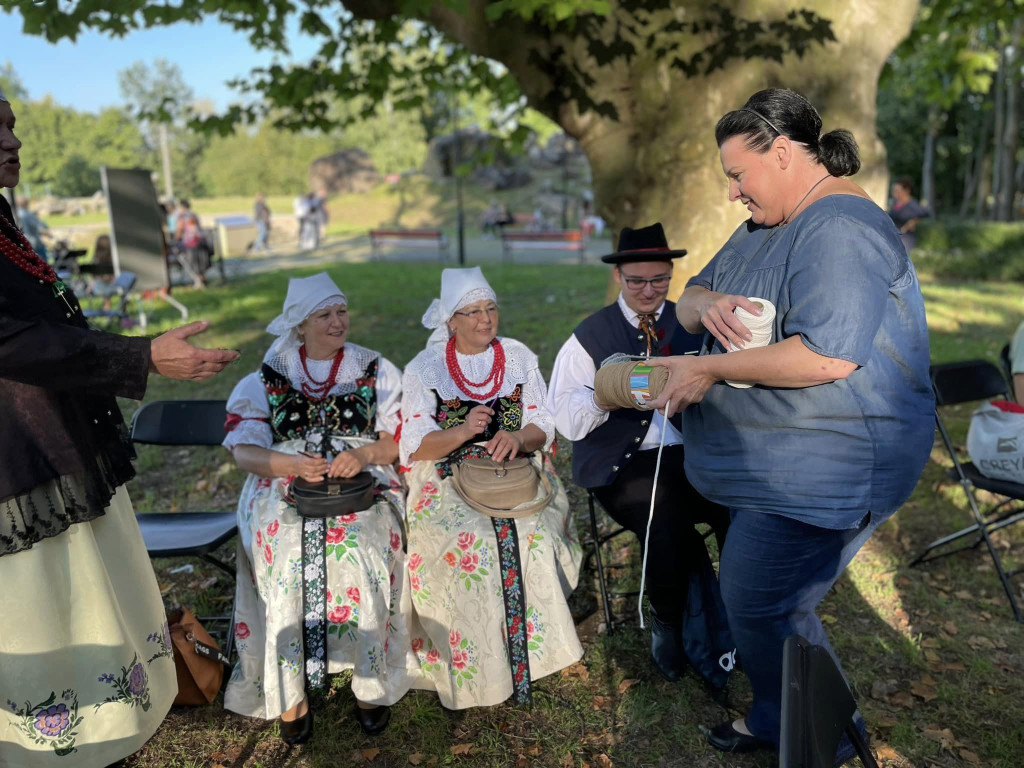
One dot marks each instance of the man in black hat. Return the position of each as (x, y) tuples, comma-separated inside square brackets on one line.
[(615, 449)]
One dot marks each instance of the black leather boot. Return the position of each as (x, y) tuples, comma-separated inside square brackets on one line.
[(667, 653), (299, 730), (374, 720)]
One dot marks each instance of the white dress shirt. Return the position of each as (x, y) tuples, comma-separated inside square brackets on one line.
[(571, 395)]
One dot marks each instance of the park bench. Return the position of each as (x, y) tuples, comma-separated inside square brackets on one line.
[(563, 240), (412, 238)]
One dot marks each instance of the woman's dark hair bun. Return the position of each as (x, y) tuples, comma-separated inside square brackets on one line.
[(838, 152)]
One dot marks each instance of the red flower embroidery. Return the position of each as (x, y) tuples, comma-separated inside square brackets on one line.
[(470, 562), (330, 597), (466, 540), (529, 630), (335, 535), (417, 644), (268, 554), (242, 630), (514, 630), (273, 528), (259, 538), (503, 532), (458, 659), (510, 579), (414, 582), (347, 518), (454, 638), (339, 614), (396, 541), (451, 559), (415, 561), (433, 656), (353, 594)]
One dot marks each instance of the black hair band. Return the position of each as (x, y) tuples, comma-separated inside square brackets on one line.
[(758, 114)]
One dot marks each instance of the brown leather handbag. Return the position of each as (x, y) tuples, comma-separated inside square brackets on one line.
[(197, 659), (502, 490)]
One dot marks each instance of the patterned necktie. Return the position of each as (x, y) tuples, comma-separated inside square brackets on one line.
[(646, 326)]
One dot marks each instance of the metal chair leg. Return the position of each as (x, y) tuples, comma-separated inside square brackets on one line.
[(600, 567)]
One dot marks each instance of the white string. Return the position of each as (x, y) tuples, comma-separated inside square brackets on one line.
[(650, 518)]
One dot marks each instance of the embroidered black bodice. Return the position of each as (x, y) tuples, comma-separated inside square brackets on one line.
[(508, 416), (293, 414)]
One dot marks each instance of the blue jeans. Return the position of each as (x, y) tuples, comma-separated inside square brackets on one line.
[(261, 238), (774, 571)]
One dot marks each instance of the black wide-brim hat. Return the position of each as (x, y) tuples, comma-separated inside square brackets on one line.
[(644, 244)]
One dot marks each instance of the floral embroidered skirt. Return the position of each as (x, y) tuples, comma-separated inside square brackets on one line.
[(86, 669), (489, 594), (364, 598)]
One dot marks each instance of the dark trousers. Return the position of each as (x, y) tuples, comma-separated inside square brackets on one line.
[(774, 571), (677, 508)]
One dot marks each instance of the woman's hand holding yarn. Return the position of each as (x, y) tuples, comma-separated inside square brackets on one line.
[(309, 468), (504, 445), (347, 464), (717, 315), (688, 382), (477, 420)]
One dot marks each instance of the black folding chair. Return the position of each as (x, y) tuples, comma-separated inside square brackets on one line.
[(122, 286), (600, 539), (965, 382), (1004, 360), (187, 534), (817, 709)]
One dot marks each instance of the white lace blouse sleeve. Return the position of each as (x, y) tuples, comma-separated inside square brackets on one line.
[(389, 397), (248, 421), (419, 404), (535, 395)]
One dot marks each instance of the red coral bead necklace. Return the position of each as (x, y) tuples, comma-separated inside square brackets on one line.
[(22, 255), (497, 374), (320, 389)]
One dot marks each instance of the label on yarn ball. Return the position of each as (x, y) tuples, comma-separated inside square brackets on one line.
[(640, 385)]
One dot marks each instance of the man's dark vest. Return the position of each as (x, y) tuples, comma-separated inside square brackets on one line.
[(600, 456)]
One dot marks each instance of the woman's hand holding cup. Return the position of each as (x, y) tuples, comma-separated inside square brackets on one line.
[(718, 316)]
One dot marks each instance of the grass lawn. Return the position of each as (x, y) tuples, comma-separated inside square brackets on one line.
[(934, 656)]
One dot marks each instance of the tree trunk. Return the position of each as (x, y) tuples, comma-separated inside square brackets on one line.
[(1005, 192), (928, 165), (658, 161), (997, 128)]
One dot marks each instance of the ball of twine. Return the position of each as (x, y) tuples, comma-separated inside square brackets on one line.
[(612, 384)]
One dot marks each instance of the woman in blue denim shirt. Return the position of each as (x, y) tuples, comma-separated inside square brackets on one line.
[(832, 437)]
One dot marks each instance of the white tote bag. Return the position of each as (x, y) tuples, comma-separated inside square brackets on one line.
[(995, 441)]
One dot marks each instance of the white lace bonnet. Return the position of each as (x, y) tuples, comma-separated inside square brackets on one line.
[(305, 296), (459, 288)]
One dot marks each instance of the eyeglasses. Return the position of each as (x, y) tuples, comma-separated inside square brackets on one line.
[(478, 314), (638, 283)]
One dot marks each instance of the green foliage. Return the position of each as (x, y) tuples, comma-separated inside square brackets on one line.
[(973, 250), (64, 148), (11, 84), (398, 49)]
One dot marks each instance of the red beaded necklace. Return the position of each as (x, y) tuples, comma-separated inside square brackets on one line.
[(497, 374), (321, 388), (20, 254)]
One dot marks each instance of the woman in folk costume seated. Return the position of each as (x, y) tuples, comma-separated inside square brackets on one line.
[(489, 591), (317, 595)]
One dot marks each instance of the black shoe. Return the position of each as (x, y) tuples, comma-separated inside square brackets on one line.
[(375, 720), (725, 738), (667, 653), (299, 730)]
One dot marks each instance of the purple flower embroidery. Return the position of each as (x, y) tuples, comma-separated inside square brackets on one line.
[(137, 680), (106, 677), (53, 721)]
